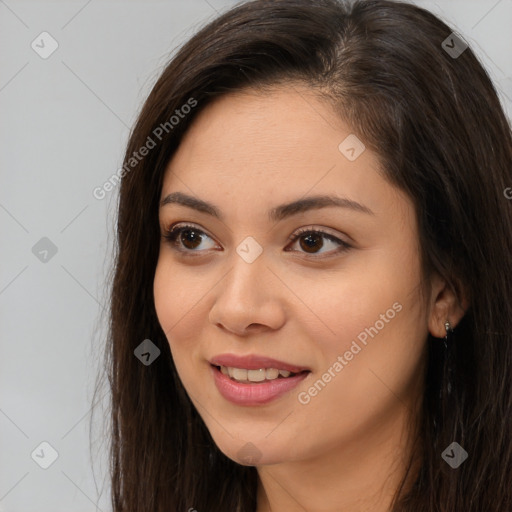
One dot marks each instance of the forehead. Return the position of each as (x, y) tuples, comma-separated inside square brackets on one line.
[(283, 133), (249, 148)]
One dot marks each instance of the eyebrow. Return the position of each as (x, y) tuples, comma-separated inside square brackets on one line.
[(275, 214)]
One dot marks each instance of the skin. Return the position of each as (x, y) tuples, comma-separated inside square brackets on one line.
[(246, 152)]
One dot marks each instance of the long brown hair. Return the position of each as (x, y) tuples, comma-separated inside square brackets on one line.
[(437, 124)]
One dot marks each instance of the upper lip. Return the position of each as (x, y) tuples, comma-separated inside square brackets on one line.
[(254, 362)]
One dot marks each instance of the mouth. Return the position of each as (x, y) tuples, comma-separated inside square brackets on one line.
[(256, 376), (251, 387)]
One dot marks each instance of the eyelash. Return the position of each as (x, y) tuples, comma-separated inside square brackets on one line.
[(173, 233)]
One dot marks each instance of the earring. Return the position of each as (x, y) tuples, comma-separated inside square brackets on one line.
[(449, 330), (448, 368)]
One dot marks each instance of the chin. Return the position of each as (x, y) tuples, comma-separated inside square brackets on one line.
[(255, 451)]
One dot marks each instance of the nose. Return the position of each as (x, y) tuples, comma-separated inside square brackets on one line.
[(249, 298)]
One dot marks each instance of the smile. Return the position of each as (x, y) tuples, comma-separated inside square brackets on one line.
[(260, 375), (237, 385)]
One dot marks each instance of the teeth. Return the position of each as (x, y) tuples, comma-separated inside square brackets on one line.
[(272, 373), (239, 374), (243, 375)]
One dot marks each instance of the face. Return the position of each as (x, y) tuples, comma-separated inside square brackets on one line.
[(343, 304)]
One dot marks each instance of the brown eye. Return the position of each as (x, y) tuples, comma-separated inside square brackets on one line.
[(189, 238), (311, 241), (185, 238)]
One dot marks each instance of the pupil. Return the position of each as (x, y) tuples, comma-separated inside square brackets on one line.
[(193, 235), (311, 239)]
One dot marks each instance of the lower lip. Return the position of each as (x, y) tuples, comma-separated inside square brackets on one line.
[(254, 393)]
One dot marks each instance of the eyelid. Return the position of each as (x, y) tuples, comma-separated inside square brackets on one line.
[(312, 227)]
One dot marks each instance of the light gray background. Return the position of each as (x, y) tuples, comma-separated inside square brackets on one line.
[(64, 125)]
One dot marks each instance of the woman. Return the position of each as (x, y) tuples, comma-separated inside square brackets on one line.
[(311, 306)]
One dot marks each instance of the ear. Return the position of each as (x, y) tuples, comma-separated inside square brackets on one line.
[(446, 304)]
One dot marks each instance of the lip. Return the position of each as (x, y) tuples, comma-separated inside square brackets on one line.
[(254, 362), (254, 393)]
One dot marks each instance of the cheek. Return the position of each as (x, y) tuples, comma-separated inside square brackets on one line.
[(337, 307), (179, 296), (372, 315), (368, 373), (165, 291)]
